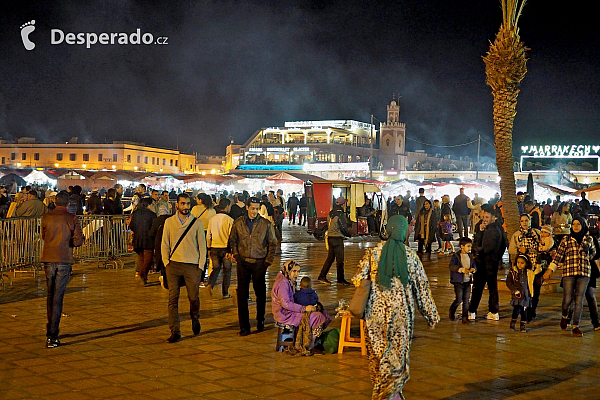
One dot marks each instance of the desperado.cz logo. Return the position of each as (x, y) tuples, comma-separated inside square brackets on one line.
[(89, 39)]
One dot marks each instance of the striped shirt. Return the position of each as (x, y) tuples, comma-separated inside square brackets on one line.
[(574, 258)]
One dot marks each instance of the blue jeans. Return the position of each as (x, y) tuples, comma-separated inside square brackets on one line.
[(57, 277), (462, 292), (574, 290)]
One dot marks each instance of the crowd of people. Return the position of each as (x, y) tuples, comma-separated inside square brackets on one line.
[(178, 238)]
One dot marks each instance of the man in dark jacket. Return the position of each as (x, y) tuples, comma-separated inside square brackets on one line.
[(239, 208), (60, 232), (400, 207), (292, 206), (252, 241), (94, 203), (461, 211), (143, 244), (303, 204), (489, 245), (336, 231), (111, 206)]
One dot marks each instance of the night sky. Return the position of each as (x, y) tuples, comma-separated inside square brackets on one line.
[(232, 67)]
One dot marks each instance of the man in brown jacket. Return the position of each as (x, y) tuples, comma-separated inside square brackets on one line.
[(252, 241), (60, 232)]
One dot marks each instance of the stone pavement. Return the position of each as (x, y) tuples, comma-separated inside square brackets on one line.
[(114, 345)]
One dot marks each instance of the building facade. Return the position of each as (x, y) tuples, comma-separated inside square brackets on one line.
[(124, 156), (343, 145), (338, 149)]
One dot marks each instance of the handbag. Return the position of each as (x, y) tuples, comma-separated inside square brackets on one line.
[(359, 299)]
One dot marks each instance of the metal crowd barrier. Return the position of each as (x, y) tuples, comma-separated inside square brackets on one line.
[(106, 239)]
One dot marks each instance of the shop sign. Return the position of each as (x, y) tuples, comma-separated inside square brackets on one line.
[(560, 150)]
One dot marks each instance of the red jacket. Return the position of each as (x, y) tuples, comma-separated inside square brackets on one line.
[(61, 232)]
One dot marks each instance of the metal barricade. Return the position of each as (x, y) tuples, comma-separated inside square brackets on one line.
[(106, 240), (20, 245)]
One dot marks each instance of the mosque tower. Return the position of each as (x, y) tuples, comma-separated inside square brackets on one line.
[(393, 139)]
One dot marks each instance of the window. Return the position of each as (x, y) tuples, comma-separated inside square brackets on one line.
[(145, 160), (86, 157), (100, 157), (73, 157), (139, 158), (13, 156), (23, 156), (59, 156), (164, 161), (387, 142), (152, 160), (175, 162), (36, 156), (171, 163), (114, 158), (3, 160), (128, 158)]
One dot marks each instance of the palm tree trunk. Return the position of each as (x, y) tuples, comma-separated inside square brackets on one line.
[(505, 69), (505, 103)]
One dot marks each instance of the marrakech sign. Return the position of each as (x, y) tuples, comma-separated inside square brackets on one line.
[(561, 150)]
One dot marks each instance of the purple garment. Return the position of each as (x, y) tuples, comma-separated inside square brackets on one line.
[(306, 297), (286, 312)]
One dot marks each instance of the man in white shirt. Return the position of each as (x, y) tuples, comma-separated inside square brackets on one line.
[(184, 255), (217, 240)]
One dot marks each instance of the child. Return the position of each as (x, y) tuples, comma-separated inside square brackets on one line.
[(446, 234), (546, 244), (462, 267), (437, 210), (307, 296), (520, 282), (546, 251)]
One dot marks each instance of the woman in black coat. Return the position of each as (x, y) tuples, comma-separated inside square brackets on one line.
[(143, 243)]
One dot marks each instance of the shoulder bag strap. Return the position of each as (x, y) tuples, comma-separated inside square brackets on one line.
[(185, 233)]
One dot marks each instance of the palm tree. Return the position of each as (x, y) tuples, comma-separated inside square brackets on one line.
[(505, 68)]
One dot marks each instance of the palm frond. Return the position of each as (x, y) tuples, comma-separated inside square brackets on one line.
[(511, 11)]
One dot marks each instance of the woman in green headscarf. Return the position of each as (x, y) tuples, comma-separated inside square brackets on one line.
[(399, 288)]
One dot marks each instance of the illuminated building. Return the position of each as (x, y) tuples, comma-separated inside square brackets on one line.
[(339, 147), (336, 149), (123, 156)]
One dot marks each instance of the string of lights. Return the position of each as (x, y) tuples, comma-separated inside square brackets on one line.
[(439, 145)]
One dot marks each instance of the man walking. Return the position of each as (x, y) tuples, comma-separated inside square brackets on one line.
[(292, 206), (217, 240), (184, 255), (60, 232), (253, 243), (337, 230), (462, 210), (303, 204), (489, 245)]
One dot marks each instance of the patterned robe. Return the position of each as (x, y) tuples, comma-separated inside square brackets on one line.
[(389, 317)]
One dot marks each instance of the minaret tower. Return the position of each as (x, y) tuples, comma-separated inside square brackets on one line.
[(393, 136)]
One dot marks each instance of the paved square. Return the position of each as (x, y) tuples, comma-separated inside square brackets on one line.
[(114, 344)]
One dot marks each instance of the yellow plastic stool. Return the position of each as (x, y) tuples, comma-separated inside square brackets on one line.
[(348, 341)]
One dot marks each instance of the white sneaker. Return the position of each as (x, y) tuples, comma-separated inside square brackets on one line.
[(472, 316), (493, 317)]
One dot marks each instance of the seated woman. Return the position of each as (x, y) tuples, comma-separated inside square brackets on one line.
[(285, 311)]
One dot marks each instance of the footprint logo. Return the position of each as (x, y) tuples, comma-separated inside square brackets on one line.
[(26, 29)]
